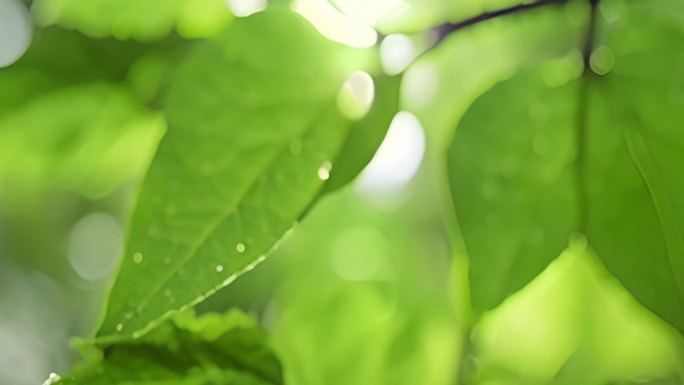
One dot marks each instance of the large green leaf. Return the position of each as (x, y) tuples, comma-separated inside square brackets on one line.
[(533, 162), (212, 349), (254, 130), (516, 205)]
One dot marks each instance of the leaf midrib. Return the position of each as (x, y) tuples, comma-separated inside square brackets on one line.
[(215, 225)]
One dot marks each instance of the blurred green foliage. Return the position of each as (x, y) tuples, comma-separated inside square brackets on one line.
[(249, 131)]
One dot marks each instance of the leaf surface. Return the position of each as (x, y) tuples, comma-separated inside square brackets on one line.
[(254, 131)]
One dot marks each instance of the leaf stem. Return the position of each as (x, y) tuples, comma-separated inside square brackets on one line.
[(589, 40), (466, 349), (582, 117), (446, 29)]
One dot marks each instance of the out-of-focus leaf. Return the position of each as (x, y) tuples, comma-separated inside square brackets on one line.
[(212, 349), (141, 20), (598, 156), (58, 58), (516, 205), (254, 130), (89, 138)]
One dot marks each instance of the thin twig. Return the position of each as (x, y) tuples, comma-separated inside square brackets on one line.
[(446, 29), (589, 40)]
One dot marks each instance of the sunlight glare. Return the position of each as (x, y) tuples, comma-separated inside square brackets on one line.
[(336, 26), (398, 158), (244, 8), (15, 31)]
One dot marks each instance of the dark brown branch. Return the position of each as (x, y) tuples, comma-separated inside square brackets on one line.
[(445, 30), (589, 40)]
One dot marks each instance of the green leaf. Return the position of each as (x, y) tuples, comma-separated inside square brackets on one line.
[(511, 177), (58, 58), (212, 349), (141, 20), (90, 138), (532, 162), (254, 130)]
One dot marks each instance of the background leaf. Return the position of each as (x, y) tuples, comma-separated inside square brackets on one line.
[(97, 137), (523, 190), (516, 205), (140, 20)]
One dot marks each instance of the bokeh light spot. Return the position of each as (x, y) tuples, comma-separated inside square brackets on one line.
[(15, 31), (95, 244), (398, 158), (356, 95)]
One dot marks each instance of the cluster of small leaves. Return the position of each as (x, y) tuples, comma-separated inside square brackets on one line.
[(212, 349)]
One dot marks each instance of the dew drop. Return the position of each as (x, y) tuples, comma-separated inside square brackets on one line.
[(324, 170), (119, 327), (219, 268), (240, 247), (137, 257)]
